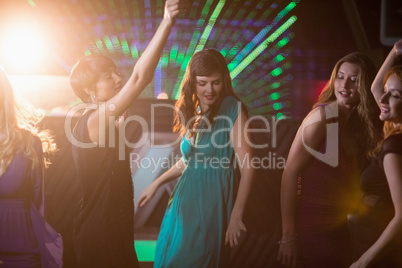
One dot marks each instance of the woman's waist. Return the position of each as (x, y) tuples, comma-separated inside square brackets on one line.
[(376, 200), (322, 222)]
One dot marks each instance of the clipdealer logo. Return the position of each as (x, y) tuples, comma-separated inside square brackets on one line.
[(330, 156), (148, 139)]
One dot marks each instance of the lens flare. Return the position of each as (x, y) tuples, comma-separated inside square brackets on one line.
[(23, 47)]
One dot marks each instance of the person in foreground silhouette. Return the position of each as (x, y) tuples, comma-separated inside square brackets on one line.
[(104, 226)]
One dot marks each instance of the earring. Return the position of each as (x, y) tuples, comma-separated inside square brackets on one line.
[(93, 96)]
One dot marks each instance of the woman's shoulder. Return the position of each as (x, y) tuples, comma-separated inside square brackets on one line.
[(323, 113), (314, 125), (82, 122), (230, 100), (330, 108), (392, 144), (85, 115), (229, 105)]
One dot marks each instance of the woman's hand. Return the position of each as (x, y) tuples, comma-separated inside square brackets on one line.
[(288, 253), (175, 7), (233, 232), (147, 194)]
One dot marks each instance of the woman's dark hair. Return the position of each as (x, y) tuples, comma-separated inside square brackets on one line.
[(86, 72)]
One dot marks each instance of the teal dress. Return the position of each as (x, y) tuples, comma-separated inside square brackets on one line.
[(198, 213)]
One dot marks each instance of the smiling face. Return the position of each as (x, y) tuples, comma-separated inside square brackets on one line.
[(346, 85), (208, 90), (391, 101), (108, 85)]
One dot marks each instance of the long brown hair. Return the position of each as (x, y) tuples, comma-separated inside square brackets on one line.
[(365, 116), (203, 63), (16, 120)]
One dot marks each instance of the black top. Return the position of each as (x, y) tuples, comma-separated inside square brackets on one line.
[(327, 193), (377, 207), (104, 227), (373, 179)]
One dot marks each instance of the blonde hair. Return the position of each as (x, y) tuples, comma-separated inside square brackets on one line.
[(364, 117), (17, 119)]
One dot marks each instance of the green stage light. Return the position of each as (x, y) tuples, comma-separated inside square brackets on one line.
[(211, 23), (262, 47), (224, 51), (276, 71), (134, 52), (99, 45), (116, 42), (124, 46), (275, 85), (275, 96), (180, 57), (259, 36), (201, 44), (145, 250), (283, 42), (277, 106), (31, 3), (173, 53), (108, 43), (279, 58), (253, 36), (165, 59)]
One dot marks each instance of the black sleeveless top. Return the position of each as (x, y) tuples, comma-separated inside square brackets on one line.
[(104, 226), (373, 179), (377, 207)]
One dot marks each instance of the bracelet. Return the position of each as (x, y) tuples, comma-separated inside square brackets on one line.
[(286, 241)]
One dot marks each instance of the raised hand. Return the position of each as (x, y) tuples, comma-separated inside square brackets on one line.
[(175, 7)]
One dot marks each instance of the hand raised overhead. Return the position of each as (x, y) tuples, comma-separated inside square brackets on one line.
[(175, 7)]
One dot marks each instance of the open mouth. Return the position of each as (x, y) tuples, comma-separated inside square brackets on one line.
[(344, 93), (384, 110)]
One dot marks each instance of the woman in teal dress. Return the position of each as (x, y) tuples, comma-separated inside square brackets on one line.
[(203, 219)]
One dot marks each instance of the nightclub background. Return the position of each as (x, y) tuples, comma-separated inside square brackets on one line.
[(280, 54)]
